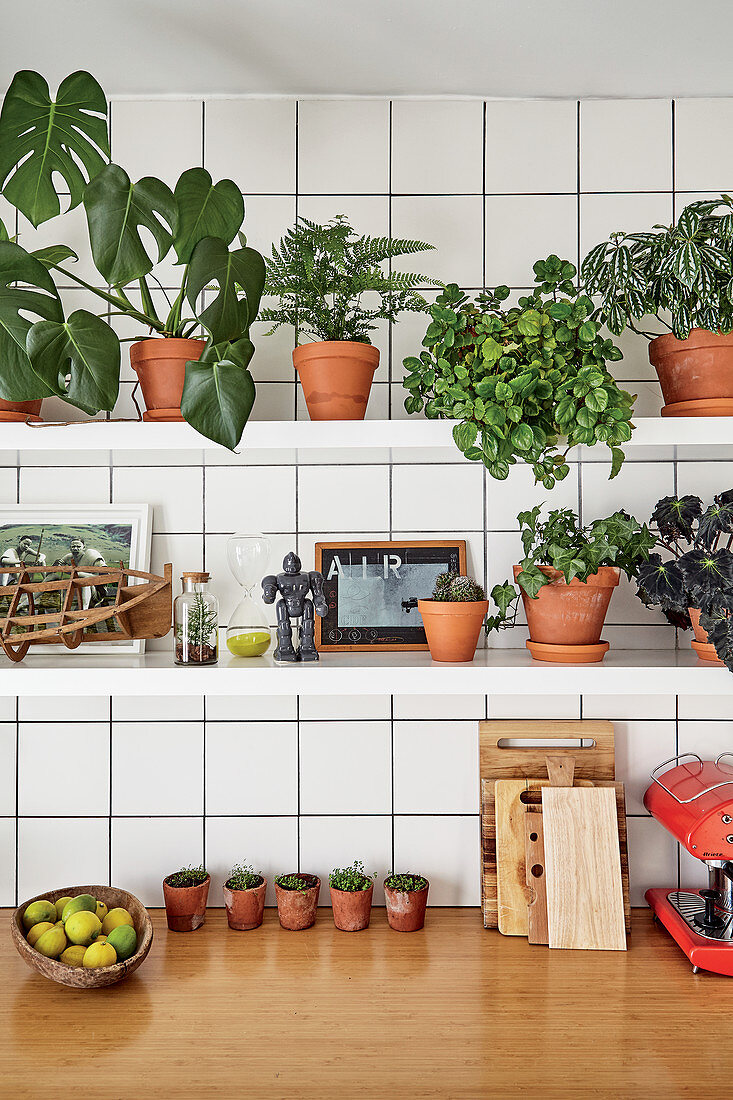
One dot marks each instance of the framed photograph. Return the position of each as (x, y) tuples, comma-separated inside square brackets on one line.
[(83, 534), (372, 589)]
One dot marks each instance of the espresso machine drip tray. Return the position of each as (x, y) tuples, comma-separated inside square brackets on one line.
[(691, 907)]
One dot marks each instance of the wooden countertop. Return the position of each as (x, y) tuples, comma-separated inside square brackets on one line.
[(452, 1012)]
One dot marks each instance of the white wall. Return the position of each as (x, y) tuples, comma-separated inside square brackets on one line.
[(314, 783)]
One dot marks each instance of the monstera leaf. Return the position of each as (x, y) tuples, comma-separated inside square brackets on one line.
[(116, 210), (78, 359), (205, 210), (229, 316), (40, 137), (219, 391), (27, 292), (3, 233)]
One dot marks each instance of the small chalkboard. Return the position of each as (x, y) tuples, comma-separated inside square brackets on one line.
[(372, 589)]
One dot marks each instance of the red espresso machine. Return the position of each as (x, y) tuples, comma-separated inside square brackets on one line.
[(694, 801)]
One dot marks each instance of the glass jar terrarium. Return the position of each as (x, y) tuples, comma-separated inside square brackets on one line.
[(196, 622), (248, 632)]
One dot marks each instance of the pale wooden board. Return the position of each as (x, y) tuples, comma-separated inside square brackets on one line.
[(592, 762), (534, 852), (585, 904)]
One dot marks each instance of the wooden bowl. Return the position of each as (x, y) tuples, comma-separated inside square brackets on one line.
[(77, 976)]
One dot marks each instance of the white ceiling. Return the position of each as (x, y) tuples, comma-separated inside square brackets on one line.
[(564, 48)]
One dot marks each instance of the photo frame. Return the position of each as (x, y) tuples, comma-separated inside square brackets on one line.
[(109, 533), (372, 589)]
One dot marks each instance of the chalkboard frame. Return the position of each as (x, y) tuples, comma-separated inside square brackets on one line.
[(445, 553)]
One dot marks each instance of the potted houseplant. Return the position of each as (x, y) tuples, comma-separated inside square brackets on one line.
[(244, 897), (320, 273), (694, 585), (680, 275), (521, 378), (185, 893), (566, 580), (297, 900), (42, 351), (407, 899), (351, 897), (453, 617)]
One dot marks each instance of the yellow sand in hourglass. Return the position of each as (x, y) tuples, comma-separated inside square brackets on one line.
[(248, 634)]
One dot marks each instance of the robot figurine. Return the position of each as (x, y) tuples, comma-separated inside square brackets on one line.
[(294, 586)]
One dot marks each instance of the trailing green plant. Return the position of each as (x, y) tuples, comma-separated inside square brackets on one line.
[(699, 571), (352, 878), (453, 588), (683, 270), (406, 883), (200, 622), (294, 882), (521, 378), (321, 272), (43, 352), (573, 549), (243, 877), (187, 876)]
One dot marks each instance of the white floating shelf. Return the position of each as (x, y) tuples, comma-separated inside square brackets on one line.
[(301, 440), (493, 672)]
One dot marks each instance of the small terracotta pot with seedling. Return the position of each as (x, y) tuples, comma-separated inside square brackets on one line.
[(407, 900), (185, 893), (453, 617), (351, 897), (297, 900), (244, 897)]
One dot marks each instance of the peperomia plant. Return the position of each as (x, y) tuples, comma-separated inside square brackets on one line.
[(77, 357), (683, 270), (575, 550), (521, 378), (321, 272), (699, 572)]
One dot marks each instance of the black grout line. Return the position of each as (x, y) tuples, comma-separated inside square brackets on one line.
[(110, 780)]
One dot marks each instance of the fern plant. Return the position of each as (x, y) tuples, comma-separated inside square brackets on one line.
[(200, 622), (320, 273)]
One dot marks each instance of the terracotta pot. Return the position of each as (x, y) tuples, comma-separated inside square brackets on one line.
[(351, 908), (185, 906), (160, 365), (245, 908), (406, 908), (698, 369), (570, 615), (297, 909), (336, 376), (20, 410), (701, 643), (452, 629)]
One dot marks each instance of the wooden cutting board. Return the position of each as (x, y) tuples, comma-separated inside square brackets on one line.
[(595, 761), (585, 904)]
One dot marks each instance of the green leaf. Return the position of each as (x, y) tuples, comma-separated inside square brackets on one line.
[(617, 461), (464, 435), (3, 233), (686, 263), (228, 317), (585, 417), (529, 323), (54, 254), (597, 400), (522, 437), (219, 391), (587, 331), (83, 347), (26, 288), (205, 209), (116, 209), (41, 137)]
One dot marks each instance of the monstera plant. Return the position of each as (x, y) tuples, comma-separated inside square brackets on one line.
[(52, 147)]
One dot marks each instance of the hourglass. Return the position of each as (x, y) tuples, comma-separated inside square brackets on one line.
[(248, 634)]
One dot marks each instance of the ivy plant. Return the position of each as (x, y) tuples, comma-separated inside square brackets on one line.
[(243, 877), (320, 273), (352, 878), (682, 271), (187, 876), (698, 571), (521, 378), (574, 549), (47, 143)]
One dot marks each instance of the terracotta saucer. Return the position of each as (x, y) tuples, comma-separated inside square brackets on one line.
[(706, 652), (709, 406), (162, 415), (6, 415), (567, 654)]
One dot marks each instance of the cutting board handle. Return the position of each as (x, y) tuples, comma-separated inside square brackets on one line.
[(590, 743)]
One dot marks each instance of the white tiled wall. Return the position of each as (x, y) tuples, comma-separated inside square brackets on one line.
[(148, 784)]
